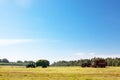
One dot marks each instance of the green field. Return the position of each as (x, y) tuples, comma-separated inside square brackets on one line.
[(59, 73)]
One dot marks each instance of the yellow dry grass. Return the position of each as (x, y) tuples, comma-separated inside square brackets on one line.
[(59, 73)]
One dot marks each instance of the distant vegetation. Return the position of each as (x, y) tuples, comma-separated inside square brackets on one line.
[(42, 63), (4, 60), (110, 62), (45, 63)]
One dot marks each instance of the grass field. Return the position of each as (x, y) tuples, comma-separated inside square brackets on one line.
[(59, 73)]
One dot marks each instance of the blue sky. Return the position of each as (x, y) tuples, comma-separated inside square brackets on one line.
[(59, 29)]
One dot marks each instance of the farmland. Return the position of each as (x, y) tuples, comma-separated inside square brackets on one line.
[(59, 73)]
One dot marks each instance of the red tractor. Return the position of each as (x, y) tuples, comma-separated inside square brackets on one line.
[(97, 63)]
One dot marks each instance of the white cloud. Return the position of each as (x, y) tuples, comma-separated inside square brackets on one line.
[(79, 54), (5, 42), (108, 55), (82, 55), (93, 54)]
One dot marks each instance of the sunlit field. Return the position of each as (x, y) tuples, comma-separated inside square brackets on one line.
[(59, 73)]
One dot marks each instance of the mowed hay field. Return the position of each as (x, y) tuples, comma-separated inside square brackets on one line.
[(59, 73)]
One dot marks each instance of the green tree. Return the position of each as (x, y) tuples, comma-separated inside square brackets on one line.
[(5, 60), (31, 62), (43, 63), (0, 60), (19, 61)]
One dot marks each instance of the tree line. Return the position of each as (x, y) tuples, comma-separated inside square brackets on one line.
[(43, 63), (110, 62), (5, 60)]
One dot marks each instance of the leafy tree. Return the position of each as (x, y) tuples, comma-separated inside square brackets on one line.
[(5, 60), (19, 61), (43, 63), (25, 61), (0, 60), (29, 62)]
